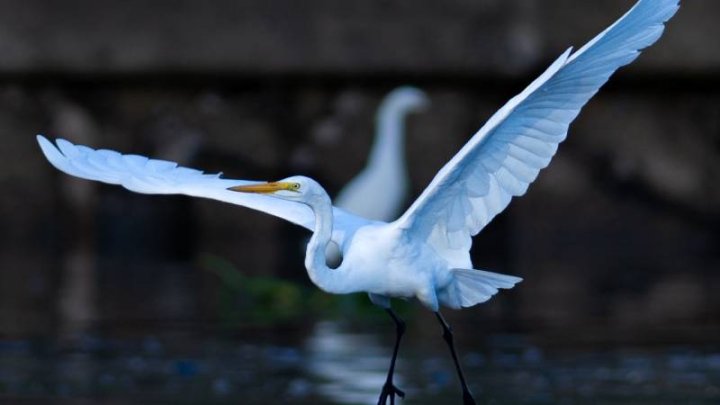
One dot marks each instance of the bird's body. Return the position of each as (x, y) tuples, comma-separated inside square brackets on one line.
[(425, 252), (387, 266), (386, 262)]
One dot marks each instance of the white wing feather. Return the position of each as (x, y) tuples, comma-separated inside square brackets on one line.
[(507, 153), (152, 176)]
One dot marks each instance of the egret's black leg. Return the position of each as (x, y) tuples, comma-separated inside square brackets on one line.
[(389, 390), (448, 336)]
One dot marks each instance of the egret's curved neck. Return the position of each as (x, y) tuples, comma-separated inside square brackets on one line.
[(388, 147), (327, 279)]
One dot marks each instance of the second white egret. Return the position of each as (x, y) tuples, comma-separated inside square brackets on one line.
[(386, 167)]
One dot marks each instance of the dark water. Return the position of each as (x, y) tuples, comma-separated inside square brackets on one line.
[(333, 362)]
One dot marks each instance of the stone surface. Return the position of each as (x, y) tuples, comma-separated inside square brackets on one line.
[(318, 37)]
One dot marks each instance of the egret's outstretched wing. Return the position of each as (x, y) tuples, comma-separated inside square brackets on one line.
[(152, 176), (506, 154)]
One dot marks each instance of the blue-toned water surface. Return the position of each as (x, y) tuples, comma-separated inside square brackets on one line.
[(337, 362)]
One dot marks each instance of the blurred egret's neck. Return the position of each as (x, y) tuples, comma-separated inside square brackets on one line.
[(388, 147)]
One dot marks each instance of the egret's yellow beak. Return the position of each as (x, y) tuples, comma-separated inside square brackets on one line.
[(265, 188)]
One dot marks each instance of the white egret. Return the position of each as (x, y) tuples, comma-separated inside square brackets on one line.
[(386, 166), (425, 253)]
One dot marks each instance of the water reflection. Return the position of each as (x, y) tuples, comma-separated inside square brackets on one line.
[(335, 365), (350, 368)]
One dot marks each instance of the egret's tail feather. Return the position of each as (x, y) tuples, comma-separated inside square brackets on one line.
[(471, 287)]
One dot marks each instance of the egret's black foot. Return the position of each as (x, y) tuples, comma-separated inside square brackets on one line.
[(468, 398), (389, 391)]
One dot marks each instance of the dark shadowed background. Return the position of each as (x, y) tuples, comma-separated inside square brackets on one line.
[(111, 296)]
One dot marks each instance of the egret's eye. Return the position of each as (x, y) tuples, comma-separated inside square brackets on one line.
[(295, 187)]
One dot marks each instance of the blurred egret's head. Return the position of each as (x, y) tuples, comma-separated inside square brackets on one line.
[(405, 99)]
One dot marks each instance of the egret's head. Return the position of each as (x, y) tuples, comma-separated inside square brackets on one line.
[(295, 188), (406, 99)]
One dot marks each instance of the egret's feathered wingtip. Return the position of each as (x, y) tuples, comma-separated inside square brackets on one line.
[(42, 141), (51, 152)]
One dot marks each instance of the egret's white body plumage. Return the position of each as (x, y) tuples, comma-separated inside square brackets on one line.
[(424, 253)]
